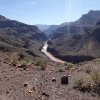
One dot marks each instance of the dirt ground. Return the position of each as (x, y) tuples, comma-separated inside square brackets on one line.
[(36, 84)]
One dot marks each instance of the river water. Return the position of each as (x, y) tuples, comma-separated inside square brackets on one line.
[(44, 50)]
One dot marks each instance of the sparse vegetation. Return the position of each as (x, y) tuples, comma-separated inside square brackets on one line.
[(91, 84), (88, 69), (21, 56), (27, 72), (14, 62), (40, 63), (7, 59), (83, 84), (23, 64), (69, 66), (96, 81)]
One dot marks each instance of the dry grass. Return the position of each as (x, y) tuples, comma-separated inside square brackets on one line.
[(88, 69), (83, 84), (41, 63), (96, 81), (90, 84)]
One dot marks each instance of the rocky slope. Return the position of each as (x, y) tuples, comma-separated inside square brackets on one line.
[(80, 26), (78, 48), (33, 83), (15, 35)]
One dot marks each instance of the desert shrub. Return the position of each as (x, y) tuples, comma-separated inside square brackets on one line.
[(21, 56), (40, 63), (69, 66), (23, 64), (96, 81), (83, 84), (7, 59), (79, 83), (91, 84), (14, 62), (88, 69), (96, 77)]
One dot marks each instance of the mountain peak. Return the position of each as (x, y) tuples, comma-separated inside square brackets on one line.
[(91, 18), (94, 11), (2, 18)]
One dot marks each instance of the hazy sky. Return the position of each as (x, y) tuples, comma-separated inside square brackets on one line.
[(46, 11)]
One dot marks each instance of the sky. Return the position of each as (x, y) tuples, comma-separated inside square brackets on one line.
[(46, 11)]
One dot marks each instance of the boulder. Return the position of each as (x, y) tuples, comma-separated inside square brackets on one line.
[(64, 80), (25, 85)]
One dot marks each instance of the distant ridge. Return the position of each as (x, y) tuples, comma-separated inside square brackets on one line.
[(15, 35), (84, 41)]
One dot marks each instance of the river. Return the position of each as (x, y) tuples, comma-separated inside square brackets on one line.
[(44, 50)]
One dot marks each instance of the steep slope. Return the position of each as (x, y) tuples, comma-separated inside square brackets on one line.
[(15, 35), (80, 26), (78, 48), (91, 18)]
